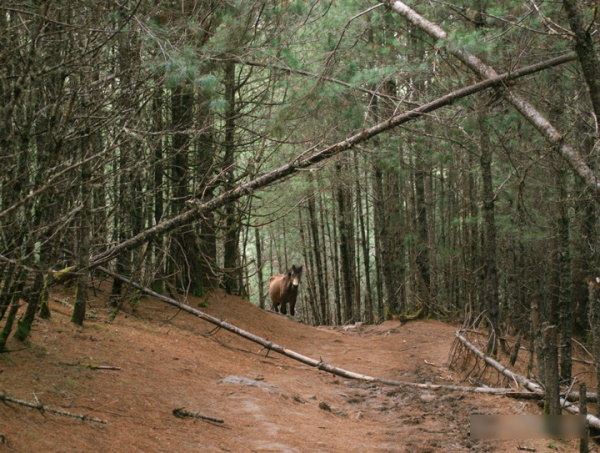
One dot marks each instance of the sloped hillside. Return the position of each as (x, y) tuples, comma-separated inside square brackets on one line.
[(169, 359)]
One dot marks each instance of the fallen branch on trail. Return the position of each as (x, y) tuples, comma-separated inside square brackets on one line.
[(521, 380), (42, 408), (529, 385), (92, 366), (319, 364), (180, 412)]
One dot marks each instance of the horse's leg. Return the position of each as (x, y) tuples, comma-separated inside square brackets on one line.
[(284, 308), (292, 307)]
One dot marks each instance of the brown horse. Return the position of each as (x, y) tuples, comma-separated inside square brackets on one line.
[(283, 289)]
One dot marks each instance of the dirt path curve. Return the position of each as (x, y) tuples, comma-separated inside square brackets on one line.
[(269, 403)]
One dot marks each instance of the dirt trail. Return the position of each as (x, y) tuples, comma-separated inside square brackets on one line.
[(170, 359)]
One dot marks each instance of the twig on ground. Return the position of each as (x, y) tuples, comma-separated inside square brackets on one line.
[(92, 366), (42, 408), (180, 412)]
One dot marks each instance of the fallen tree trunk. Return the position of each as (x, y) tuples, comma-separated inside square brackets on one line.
[(529, 385), (521, 380), (319, 364)]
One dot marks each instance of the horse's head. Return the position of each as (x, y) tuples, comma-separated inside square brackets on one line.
[(294, 275)]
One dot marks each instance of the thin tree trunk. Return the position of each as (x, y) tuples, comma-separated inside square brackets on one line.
[(364, 245), (422, 244), (326, 233), (83, 238), (337, 291), (259, 268), (563, 279), (319, 275), (346, 219), (489, 248), (230, 241)]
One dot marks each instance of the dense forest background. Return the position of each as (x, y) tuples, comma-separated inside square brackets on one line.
[(191, 145)]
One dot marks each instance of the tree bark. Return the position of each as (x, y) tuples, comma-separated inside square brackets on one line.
[(489, 220), (259, 267), (364, 241), (83, 246), (317, 247), (346, 231), (552, 400), (230, 241), (184, 245)]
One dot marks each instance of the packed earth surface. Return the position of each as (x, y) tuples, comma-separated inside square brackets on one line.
[(153, 359)]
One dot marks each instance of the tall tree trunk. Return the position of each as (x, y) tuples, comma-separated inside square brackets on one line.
[(326, 235), (422, 244), (319, 275), (562, 281), (259, 267), (307, 254), (346, 229), (158, 188), (208, 228), (337, 284), (184, 248), (379, 236), (83, 239), (489, 249), (230, 245), (364, 244)]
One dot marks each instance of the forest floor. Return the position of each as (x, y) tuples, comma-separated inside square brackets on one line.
[(169, 359)]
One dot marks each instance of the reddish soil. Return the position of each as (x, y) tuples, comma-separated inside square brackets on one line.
[(170, 359)]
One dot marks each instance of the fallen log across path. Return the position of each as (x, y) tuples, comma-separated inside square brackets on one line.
[(523, 381), (319, 364)]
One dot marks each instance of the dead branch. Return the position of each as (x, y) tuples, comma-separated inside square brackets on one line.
[(92, 366), (42, 408), (180, 412), (529, 385)]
